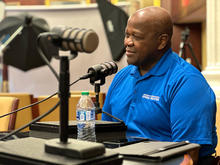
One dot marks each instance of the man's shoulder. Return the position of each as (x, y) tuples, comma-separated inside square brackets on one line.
[(126, 70), (123, 74), (182, 68), (182, 71)]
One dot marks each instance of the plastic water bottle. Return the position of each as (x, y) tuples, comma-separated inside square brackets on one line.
[(85, 115)]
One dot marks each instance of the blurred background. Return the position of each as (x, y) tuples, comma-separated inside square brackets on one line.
[(196, 25), (186, 14)]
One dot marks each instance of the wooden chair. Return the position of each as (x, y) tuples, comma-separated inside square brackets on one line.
[(26, 115), (7, 105), (54, 116)]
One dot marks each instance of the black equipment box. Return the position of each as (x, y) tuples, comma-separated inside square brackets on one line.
[(105, 130)]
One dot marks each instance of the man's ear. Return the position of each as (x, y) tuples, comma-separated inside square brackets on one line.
[(163, 41)]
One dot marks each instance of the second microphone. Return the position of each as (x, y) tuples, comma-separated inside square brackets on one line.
[(102, 70)]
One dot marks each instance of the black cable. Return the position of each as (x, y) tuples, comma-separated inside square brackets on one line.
[(113, 117), (33, 121), (45, 59), (81, 78)]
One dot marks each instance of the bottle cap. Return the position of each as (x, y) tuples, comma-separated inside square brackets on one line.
[(85, 93)]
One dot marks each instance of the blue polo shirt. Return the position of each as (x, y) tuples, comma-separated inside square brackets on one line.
[(172, 102)]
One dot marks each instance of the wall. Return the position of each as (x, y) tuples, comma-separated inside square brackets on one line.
[(41, 81), (212, 69)]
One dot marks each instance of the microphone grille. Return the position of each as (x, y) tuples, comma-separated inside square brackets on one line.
[(109, 68), (90, 41)]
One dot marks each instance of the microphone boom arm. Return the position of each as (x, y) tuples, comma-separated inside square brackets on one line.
[(97, 103), (97, 93), (98, 109)]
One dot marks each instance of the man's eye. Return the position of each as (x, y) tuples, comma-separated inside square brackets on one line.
[(126, 35)]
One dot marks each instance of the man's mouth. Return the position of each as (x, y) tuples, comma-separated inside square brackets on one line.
[(129, 52)]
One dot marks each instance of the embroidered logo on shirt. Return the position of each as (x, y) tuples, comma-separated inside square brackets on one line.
[(151, 97)]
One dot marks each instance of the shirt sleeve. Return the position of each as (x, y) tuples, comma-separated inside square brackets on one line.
[(192, 111)]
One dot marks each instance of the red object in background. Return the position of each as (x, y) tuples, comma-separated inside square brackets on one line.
[(32, 2), (185, 3), (25, 2)]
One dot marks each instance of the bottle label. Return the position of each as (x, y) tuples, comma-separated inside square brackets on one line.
[(83, 115)]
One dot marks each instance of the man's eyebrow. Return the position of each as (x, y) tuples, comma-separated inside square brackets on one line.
[(138, 32)]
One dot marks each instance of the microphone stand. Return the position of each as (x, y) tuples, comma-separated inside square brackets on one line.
[(64, 94), (183, 44), (97, 104), (97, 92), (72, 148)]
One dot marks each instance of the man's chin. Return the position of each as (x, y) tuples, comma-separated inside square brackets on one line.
[(130, 61)]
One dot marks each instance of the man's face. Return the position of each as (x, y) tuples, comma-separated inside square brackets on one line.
[(140, 42)]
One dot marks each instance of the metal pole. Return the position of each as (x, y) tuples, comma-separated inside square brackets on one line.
[(64, 98)]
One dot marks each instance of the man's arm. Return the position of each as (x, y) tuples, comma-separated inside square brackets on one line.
[(192, 113)]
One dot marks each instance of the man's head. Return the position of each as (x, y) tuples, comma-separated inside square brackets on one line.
[(147, 36)]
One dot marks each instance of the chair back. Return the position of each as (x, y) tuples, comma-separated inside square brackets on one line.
[(23, 116), (7, 105), (92, 95), (55, 115)]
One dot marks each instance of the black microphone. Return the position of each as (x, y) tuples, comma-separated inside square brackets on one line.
[(99, 71), (73, 39)]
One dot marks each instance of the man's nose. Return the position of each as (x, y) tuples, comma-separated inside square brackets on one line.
[(129, 42)]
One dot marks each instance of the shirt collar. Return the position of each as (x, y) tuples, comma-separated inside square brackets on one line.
[(159, 69)]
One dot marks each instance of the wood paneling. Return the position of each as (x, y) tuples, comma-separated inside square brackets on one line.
[(188, 11), (194, 39), (25, 2), (191, 14)]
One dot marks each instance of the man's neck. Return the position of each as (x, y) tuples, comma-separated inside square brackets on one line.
[(147, 67)]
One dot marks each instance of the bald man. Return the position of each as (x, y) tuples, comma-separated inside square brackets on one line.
[(159, 95)]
